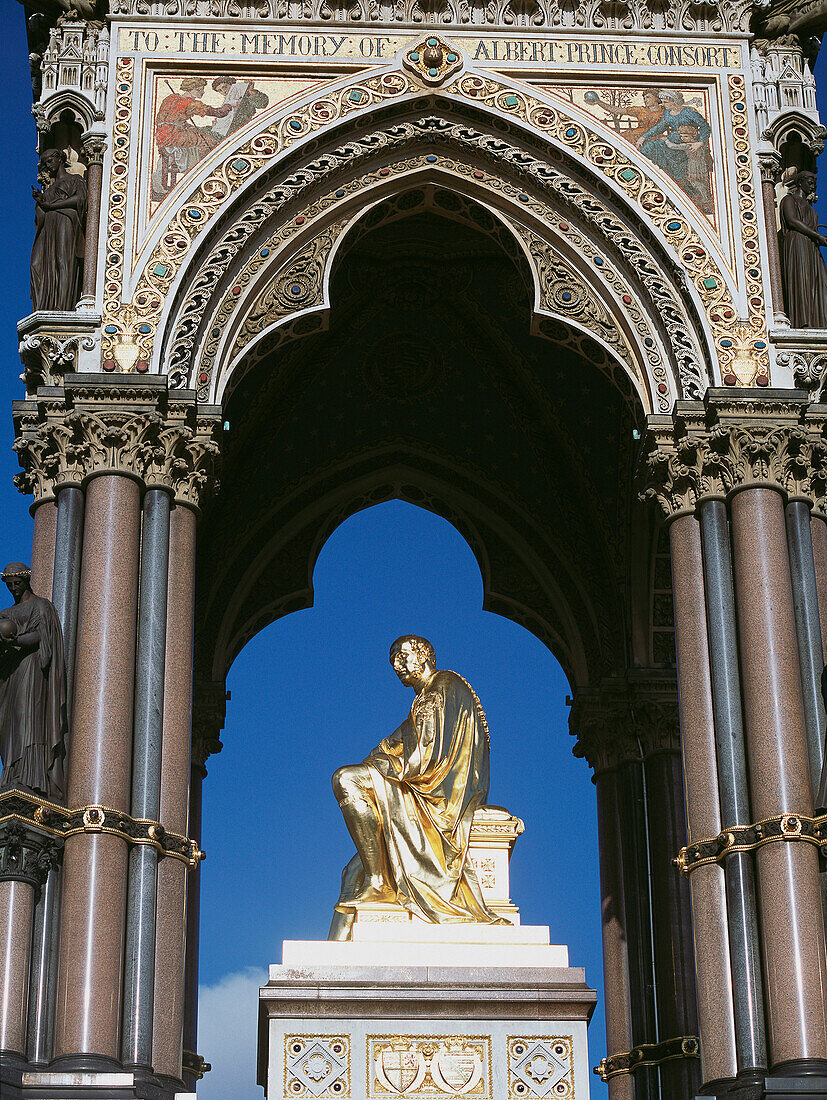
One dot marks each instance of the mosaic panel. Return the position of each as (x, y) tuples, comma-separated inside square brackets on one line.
[(670, 126)]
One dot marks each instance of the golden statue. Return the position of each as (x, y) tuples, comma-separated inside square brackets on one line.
[(408, 806)]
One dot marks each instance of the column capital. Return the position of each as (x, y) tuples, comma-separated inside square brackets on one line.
[(94, 146), (96, 424), (209, 711), (26, 854), (769, 163), (626, 719), (730, 442)]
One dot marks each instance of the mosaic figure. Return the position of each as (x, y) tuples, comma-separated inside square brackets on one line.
[(181, 144), (409, 805), (242, 99), (57, 252), (619, 107), (803, 267), (671, 132), (32, 690)]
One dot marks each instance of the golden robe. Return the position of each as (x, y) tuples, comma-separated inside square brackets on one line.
[(428, 778)]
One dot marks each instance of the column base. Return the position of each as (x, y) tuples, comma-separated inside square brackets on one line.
[(793, 1081), (20, 1081)]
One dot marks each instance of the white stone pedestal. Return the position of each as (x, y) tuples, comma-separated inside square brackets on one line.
[(426, 1011)]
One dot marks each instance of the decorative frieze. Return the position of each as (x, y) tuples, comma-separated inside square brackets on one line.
[(97, 425), (713, 449), (606, 15)]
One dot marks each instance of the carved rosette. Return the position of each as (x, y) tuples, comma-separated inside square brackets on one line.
[(715, 449), (138, 430)]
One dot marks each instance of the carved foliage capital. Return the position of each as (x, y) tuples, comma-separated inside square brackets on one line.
[(209, 710), (65, 440), (716, 450), (26, 854), (626, 721)]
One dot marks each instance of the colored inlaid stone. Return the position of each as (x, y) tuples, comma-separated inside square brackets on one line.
[(762, 379), (236, 290), (414, 56), (194, 213), (300, 220), (110, 328), (264, 252), (571, 132), (564, 226), (142, 366), (627, 298), (384, 171), (216, 332), (109, 365), (295, 124), (160, 270), (523, 198), (726, 343), (340, 194), (433, 42), (599, 261), (295, 290), (662, 387), (144, 329), (566, 295), (431, 159), (356, 96), (241, 165), (628, 174), (452, 57), (203, 377), (760, 344), (673, 227), (511, 101), (730, 379), (710, 282), (433, 72)]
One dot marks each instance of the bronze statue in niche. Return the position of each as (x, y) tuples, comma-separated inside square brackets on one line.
[(409, 805), (32, 691), (803, 267), (57, 252)]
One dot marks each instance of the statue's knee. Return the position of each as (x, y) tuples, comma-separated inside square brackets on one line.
[(341, 787)]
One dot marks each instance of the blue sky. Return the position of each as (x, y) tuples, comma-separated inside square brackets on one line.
[(315, 690)]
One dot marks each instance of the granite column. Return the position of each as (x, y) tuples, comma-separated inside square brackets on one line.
[(170, 941), (716, 1016), (90, 969), (788, 872)]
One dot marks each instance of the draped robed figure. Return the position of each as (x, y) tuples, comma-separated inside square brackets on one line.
[(409, 805)]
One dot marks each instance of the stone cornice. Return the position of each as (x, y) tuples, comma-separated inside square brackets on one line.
[(728, 442), (97, 424)]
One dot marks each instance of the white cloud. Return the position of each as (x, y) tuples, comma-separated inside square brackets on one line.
[(228, 1035)]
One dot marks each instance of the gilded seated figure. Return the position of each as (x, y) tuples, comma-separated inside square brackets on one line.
[(409, 805)]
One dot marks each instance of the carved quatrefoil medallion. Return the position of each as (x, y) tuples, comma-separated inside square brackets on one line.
[(433, 60)]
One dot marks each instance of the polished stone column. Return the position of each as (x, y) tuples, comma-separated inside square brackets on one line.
[(677, 1008), (16, 912), (748, 995), (87, 1025), (138, 1010), (64, 595), (716, 1017), (638, 920), (191, 957), (617, 996), (43, 547), (818, 532), (788, 871), (808, 629), (170, 942), (770, 163), (93, 148)]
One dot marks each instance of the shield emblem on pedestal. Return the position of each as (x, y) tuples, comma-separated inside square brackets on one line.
[(457, 1069), (400, 1069)]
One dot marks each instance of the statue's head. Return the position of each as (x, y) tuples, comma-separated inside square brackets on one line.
[(52, 160), (411, 656), (17, 577), (804, 181)]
